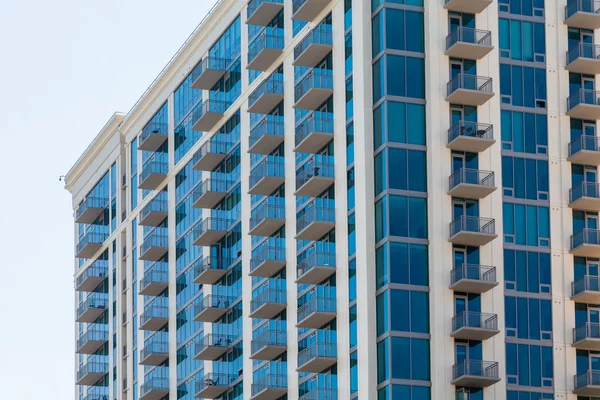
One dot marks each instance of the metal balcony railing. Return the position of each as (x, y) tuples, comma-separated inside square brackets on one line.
[(213, 146), (270, 125), (277, 296), (584, 142), (208, 263), (318, 78), (214, 340), (269, 167), (315, 213), (478, 368), (154, 128), (585, 236), (211, 224), (473, 272), (270, 337), (588, 330), (255, 4), (273, 85), (469, 319), (584, 189), (94, 333), (154, 383), (157, 273), (587, 378), (586, 283), (316, 167), (468, 35), (471, 129), (316, 259), (157, 164), (318, 121), (269, 381), (210, 185), (587, 6), (91, 236), (156, 238), (210, 63), (98, 301), (154, 310), (154, 347), (270, 208), (268, 39), (155, 205), (98, 269), (466, 223), (469, 82), (270, 249), (583, 50), (585, 97), (317, 304), (92, 367), (91, 202), (472, 177), (212, 379), (213, 301)]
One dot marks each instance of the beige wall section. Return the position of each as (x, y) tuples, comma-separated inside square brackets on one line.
[(559, 133)]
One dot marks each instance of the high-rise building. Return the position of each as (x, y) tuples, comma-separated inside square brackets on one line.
[(343, 199)]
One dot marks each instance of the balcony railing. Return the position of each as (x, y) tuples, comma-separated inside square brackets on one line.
[(471, 176), (210, 155), (314, 47), (206, 114), (466, 223), (316, 267), (269, 8), (469, 82), (583, 97), (470, 319), (154, 352), (208, 270), (155, 315), (320, 214), (318, 78), (273, 85), (153, 172), (268, 338), (268, 257), (473, 278), (584, 284), (320, 394), (586, 379), (208, 72), (153, 136), (269, 39), (210, 192), (267, 175), (585, 144), (585, 237), (268, 303), (267, 134), (587, 331), (92, 339), (92, 276), (155, 244), (214, 340), (91, 372), (307, 10), (90, 243), (92, 307), (589, 7), (475, 368), (325, 306), (154, 212), (158, 385), (314, 132), (90, 209), (583, 50), (210, 230), (213, 384), (267, 217), (317, 350), (469, 35), (212, 307), (314, 176), (470, 136), (269, 382), (155, 279), (584, 189)]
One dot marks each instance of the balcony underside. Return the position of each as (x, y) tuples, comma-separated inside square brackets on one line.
[(591, 344), (267, 268), (586, 204), (152, 181), (153, 218), (268, 352), (475, 381), (90, 378), (154, 359), (470, 144), (467, 6), (152, 142), (585, 20), (314, 186), (210, 314), (267, 227), (209, 237), (472, 286), (587, 296), (312, 55), (309, 10), (470, 333), (91, 314), (264, 59), (586, 250), (209, 276), (266, 185), (90, 283), (469, 97), (317, 364), (90, 346), (208, 161), (471, 191), (314, 142), (315, 275), (154, 253), (154, 394), (315, 230), (583, 65), (590, 390), (476, 239), (207, 121), (89, 215), (154, 324), (264, 13), (210, 353), (270, 393), (88, 250), (313, 98), (266, 144), (585, 111), (472, 51), (585, 157), (208, 78), (154, 288), (268, 310), (211, 392), (316, 320), (209, 199), (265, 103)]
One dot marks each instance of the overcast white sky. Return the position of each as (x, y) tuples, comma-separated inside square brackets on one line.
[(65, 67)]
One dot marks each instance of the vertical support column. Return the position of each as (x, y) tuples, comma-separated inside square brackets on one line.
[(365, 211)]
